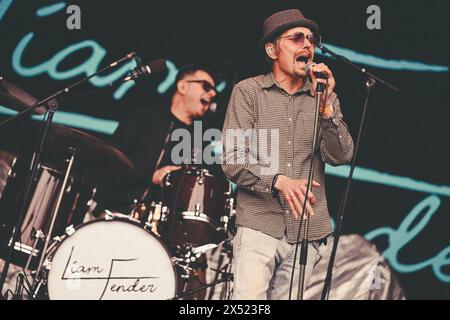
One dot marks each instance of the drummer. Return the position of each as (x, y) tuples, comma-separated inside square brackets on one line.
[(145, 137)]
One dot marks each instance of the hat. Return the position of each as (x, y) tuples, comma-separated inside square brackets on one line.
[(281, 21)]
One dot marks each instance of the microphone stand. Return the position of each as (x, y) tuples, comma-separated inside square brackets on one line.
[(304, 247), (370, 83), (51, 106)]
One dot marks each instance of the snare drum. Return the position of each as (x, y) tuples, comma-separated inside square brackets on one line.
[(113, 258)]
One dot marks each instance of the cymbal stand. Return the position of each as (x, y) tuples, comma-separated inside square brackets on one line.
[(72, 152)]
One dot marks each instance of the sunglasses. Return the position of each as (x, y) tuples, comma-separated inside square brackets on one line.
[(299, 38), (206, 85)]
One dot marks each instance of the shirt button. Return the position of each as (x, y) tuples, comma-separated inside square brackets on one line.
[(267, 189), (252, 188), (340, 136), (289, 142), (287, 211), (290, 119), (288, 164)]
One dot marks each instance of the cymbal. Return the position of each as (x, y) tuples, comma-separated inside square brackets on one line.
[(95, 159), (13, 97)]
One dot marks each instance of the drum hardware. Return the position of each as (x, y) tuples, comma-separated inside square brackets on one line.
[(164, 214), (197, 209), (138, 209), (191, 265), (39, 278), (91, 205), (154, 214), (186, 262), (167, 180), (72, 152), (224, 220), (187, 256), (11, 174), (154, 217), (223, 271), (69, 231), (108, 215), (196, 216), (201, 175), (38, 237), (198, 251), (229, 207), (225, 277), (69, 185)]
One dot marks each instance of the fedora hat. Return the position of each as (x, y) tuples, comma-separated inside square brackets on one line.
[(281, 21)]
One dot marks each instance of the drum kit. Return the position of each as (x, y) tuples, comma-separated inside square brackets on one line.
[(156, 251)]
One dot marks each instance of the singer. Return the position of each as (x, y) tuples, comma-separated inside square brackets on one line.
[(269, 206)]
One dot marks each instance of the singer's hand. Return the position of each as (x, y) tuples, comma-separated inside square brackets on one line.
[(158, 175), (294, 191), (321, 67)]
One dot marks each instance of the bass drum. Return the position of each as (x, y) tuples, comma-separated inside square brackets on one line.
[(113, 258)]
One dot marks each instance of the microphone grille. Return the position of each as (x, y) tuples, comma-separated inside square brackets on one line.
[(308, 67), (157, 65)]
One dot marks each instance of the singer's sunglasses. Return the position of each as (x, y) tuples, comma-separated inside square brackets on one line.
[(299, 38), (206, 85)]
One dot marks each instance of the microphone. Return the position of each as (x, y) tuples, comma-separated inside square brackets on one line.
[(321, 75), (143, 70)]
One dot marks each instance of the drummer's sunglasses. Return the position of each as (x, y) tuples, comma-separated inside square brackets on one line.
[(206, 85)]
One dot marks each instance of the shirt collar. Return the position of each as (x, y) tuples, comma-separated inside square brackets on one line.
[(269, 81)]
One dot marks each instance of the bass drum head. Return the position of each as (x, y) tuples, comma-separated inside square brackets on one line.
[(111, 260)]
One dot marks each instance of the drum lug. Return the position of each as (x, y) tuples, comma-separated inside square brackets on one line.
[(201, 177), (197, 209), (11, 174), (109, 215), (167, 180), (154, 213), (164, 212), (70, 230), (224, 220), (47, 265)]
